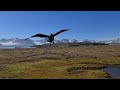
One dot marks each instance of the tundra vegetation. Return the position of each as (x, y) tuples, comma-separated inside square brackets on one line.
[(75, 62)]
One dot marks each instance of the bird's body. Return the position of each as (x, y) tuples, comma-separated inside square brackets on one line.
[(50, 37)]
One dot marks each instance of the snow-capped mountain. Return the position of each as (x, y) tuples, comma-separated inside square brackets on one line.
[(1, 45), (43, 41), (89, 41), (16, 42), (106, 41), (117, 40), (40, 42)]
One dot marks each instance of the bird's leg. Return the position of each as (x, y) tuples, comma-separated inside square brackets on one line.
[(53, 42), (50, 43)]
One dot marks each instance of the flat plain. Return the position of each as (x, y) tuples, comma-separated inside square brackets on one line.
[(62, 62)]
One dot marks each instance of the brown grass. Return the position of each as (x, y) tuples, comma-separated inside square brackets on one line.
[(58, 62)]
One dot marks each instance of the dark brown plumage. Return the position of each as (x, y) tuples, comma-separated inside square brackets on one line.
[(50, 37)]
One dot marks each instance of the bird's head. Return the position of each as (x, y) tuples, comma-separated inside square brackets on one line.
[(51, 34)]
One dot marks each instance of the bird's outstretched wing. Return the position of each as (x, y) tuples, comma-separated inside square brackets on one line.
[(40, 35), (60, 31)]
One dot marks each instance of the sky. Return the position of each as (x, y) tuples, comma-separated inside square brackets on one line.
[(92, 25)]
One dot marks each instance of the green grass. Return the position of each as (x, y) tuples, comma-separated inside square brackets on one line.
[(51, 69)]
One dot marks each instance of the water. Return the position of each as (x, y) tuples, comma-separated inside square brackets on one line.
[(113, 72)]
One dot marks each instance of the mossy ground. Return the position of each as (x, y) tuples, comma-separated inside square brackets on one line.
[(78, 62)]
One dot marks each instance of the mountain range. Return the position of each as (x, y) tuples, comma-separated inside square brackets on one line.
[(16, 42)]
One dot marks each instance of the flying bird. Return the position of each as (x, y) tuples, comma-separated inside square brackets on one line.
[(50, 37)]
